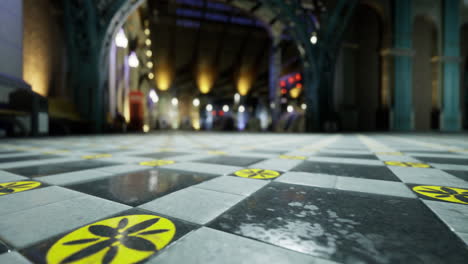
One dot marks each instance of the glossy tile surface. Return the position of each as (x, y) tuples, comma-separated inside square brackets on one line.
[(231, 160), (456, 161), (332, 200), (23, 158), (3, 247), (460, 174), (140, 187), (352, 156), (343, 226), (349, 170), (49, 169), (163, 154)]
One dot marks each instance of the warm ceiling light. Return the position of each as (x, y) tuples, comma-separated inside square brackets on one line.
[(196, 102), (148, 42), (147, 32), (133, 60), (149, 64), (121, 40), (149, 53), (151, 76)]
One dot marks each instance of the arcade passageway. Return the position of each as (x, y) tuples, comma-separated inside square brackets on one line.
[(229, 198)]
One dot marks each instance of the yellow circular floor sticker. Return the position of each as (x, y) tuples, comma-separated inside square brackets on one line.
[(18, 186), (407, 164), (98, 156), (292, 157), (257, 173), (449, 194), (157, 163), (123, 239)]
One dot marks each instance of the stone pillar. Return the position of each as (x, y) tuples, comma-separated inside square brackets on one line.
[(402, 111), (451, 117), (275, 74)]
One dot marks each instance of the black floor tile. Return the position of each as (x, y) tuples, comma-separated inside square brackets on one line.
[(350, 170), (347, 227), (49, 169), (140, 187), (427, 151), (231, 160), (267, 151), (460, 174), (443, 160), (25, 158), (449, 194), (2, 152), (144, 239), (163, 155), (350, 156), (3, 247)]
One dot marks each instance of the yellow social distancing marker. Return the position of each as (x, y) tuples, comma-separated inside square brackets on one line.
[(257, 173), (407, 164), (157, 163), (389, 153), (123, 239), (449, 194), (292, 157), (17, 186), (98, 156)]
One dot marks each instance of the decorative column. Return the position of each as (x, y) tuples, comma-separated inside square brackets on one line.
[(402, 112), (451, 117), (275, 72)]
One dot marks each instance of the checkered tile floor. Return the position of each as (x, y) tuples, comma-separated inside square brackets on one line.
[(235, 198)]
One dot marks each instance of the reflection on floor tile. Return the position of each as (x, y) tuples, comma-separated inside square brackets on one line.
[(140, 187), (49, 169), (344, 226), (129, 237), (442, 160), (231, 160), (24, 158), (349, 170)]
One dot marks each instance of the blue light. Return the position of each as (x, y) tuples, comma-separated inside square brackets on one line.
[(216, 17), (188, 23), (188, 12)]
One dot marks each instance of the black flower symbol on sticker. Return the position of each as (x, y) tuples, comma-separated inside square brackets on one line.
[(257, 173), (450, 194), (115, 240), (12, 187)]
